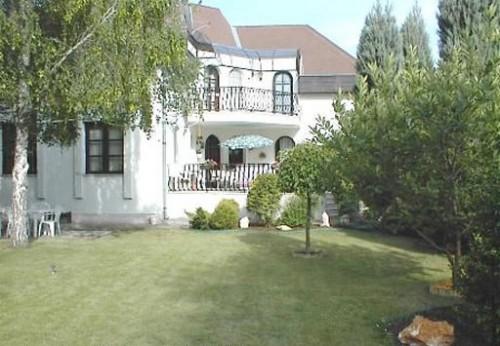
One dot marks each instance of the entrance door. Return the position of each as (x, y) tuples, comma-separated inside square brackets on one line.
[(212, 149)]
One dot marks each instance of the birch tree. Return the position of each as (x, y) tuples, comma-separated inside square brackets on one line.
[(64, 61)]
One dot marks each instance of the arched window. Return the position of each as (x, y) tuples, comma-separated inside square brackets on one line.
[(235, 77), (283, 143), (283, 93), (233, 94), (212, 149), (212, 89)]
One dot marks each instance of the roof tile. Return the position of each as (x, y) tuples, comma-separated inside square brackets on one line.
[(319, 54)]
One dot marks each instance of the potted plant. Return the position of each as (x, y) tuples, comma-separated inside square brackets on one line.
[(209, 164)]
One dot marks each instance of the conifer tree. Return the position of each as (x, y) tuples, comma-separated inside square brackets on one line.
[(414, 36), (380, 39), (459, 20)]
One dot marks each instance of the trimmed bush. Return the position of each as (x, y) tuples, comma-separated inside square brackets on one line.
[(226, 215), (264, 197), (200, 219), (295, 212)]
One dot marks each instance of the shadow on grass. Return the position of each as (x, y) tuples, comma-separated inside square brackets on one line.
[(265, 295), (389, 239)]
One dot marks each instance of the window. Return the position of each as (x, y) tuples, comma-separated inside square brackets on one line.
[(212, 89), (212, 149), (235, 156), (104, 148), (283, 143), (235, 78), (283, 93), (8, 149)]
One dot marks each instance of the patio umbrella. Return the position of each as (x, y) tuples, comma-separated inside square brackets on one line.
[(247, 142)]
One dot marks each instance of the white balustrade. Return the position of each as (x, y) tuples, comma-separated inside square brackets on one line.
[(198, 177)]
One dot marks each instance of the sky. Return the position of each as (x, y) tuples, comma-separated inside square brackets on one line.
[(340, 21)]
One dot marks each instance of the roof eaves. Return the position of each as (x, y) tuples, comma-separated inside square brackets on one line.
[(199, 44)]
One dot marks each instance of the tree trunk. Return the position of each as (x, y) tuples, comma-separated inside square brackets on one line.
[(19, 229), (308, 224), (456, 258)]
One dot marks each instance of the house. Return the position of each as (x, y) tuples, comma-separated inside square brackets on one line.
[(271, 81)]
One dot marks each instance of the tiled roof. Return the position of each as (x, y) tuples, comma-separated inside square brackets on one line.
[(319, 54), (209, 24)]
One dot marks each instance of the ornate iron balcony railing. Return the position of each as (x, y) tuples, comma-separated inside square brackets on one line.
[(249, 99)]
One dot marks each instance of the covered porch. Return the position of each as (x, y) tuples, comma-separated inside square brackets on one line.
[(223, 167)]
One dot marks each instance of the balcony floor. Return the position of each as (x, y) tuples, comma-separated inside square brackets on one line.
[(247, 118)]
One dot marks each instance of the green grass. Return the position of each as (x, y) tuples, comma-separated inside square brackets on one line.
[(184, 288)]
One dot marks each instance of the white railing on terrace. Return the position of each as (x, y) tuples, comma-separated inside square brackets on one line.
[(250, 99), (198, 177)]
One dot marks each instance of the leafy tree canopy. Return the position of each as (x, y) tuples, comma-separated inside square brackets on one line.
[(89, 59), (301, 169)]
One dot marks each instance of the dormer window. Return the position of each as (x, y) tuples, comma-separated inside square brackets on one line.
[(212, 89), (283, 93)]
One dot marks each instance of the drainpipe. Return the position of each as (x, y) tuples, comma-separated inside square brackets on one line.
[(164, 168)]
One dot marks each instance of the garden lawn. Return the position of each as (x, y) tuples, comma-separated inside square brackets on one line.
[(183, 288)]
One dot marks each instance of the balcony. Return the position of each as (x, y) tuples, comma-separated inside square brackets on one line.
[(250, 99), (199, 177)]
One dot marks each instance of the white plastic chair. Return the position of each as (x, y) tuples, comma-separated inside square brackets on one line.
[(52, 220), (6, 215), (2, 217)]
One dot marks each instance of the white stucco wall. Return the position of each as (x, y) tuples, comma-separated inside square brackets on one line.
[(181, 202), (312, 106), (100, 194)]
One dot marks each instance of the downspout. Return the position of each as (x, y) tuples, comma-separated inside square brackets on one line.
[(164, 168)]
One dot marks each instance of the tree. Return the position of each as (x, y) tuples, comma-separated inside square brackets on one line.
[(423, 146), (301, 172), (406, 148), (459, 20), (414, 36), (479, 279), (65, 61), (264, 197), (370, 146), (380, 39)]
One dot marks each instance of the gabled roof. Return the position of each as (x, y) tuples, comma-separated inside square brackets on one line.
[(320, 56), (326, 66), (210, 26)]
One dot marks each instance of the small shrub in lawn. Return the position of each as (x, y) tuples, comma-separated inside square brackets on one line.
[(295, 211), (264, 197), (200, 219), (226, 215)]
